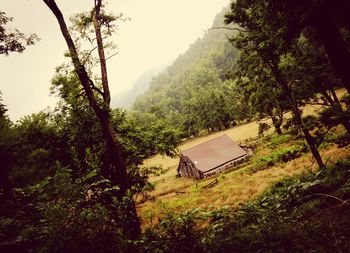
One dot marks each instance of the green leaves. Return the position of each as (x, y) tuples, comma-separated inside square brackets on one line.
[(282, 154), (13, 40)]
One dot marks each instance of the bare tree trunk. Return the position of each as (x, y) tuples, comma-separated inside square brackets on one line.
[(335, 103), (117, 172), (101, 52), (277, 122), (313, 148)]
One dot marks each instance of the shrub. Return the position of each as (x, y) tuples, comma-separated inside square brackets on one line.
[(283, 154), (174, 233)]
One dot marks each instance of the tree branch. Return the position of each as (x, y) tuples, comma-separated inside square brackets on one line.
[(110, 56), (88, 54), (95, 88), (227, 28)]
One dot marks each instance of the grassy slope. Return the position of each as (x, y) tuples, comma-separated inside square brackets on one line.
[(234, 187)]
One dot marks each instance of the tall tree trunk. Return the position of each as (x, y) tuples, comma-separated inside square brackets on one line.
[(336, 105), (313, 147), (101, 52), (277, 122), (335, 47), (117, 172), (272, 64)]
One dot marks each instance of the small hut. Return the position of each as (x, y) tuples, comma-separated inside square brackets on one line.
[(210, 157)]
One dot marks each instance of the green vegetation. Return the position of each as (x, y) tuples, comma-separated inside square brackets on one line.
[(13, 41), (284, 154), (278, 157), (76, 179), (306, 213)]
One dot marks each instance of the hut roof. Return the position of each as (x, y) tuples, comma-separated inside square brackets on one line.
[(213, 153)]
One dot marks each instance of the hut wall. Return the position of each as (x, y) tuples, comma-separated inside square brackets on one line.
[(188, 169)]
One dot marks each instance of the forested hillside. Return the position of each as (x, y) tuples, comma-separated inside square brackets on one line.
[(195, 92)]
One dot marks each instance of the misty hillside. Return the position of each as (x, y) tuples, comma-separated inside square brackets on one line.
[(202, 72), (127, 98)]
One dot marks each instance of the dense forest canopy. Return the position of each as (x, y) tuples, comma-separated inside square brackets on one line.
[(70, 177)]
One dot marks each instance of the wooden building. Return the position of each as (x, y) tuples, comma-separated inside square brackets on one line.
[(211, 157)]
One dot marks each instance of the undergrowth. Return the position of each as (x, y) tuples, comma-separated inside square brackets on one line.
[(306, 213), (281, 154)]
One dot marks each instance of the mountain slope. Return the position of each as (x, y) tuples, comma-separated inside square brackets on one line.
[(127, 98), (194, 92)]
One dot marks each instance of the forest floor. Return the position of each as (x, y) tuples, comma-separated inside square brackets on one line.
[(235, 186)]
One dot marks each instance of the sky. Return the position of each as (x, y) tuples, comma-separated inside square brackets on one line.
[(158, 31)]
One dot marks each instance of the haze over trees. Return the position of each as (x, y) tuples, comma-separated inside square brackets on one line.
[(194, 93), (70, 177), (127, 98)]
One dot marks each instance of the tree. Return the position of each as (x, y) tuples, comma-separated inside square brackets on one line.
[(317, 75), (258, 87), (5, 124), (2, 107), (10, 41), (195, 93), (259, 38), (13, 40), (116, 170), (288, 18)]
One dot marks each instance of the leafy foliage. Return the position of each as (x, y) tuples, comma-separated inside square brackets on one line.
[(279, 155), (13, 40)]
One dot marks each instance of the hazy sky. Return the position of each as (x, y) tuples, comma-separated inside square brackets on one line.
[(159, 31)]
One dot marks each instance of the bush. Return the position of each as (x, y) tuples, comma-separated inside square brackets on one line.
[(60, 214), (174, 233), (283, 154)]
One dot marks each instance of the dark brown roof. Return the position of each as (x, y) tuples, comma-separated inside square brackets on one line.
[(213, 153)]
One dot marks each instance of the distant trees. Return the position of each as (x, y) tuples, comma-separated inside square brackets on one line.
[(195, 94), (2, 107)]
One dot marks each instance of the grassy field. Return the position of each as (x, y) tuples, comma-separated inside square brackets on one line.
[(233, 187)]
